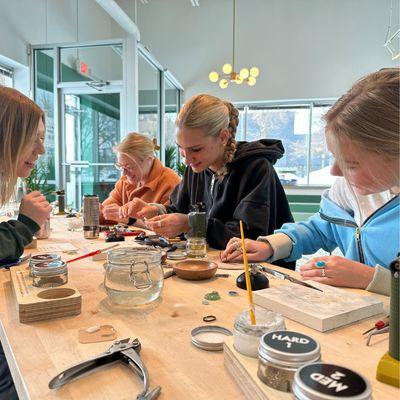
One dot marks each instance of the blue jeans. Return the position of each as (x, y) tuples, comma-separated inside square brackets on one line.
[(7, 388)]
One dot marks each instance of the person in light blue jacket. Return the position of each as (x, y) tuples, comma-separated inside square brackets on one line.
[(360, 213)]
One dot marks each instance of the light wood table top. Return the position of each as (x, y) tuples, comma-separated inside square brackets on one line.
[(38, 351)]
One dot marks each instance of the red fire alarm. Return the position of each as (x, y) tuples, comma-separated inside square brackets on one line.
[(83, 68)]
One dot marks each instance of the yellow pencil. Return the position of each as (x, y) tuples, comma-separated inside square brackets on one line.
[(247, 274)]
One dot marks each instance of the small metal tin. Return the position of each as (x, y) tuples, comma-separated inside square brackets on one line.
[(50, 274), (319, 381), (281, 353), (213, 343), (40, 258)]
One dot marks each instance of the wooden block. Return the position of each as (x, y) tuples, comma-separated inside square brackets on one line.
[(33, 244), (322, 311), (38, 304), (244, 372)]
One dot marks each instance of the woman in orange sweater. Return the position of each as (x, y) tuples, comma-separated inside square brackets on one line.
[(144, 180)]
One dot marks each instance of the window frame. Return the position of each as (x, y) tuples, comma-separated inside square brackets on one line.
[(8, 72), (246, 106)]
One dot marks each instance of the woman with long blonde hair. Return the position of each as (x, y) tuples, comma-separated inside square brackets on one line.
[(22, 133), (360, 213)]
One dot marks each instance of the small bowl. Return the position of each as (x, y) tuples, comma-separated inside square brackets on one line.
[(195, 270)]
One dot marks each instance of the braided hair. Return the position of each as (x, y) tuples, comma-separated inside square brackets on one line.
[(212, 114)]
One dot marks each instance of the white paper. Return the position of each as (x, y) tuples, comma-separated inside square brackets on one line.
[(56, 247)]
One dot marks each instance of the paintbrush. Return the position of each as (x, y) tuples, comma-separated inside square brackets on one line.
[(93, 253), (247, 274)]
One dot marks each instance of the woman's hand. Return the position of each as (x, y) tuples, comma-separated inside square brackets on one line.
[(169, 225), (35, 206), (338, 271), (131, 209), (256, 250), (112, 212)]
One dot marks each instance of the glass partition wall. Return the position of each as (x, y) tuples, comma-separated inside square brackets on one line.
[(159, 103), (91, 100), (80, 88)]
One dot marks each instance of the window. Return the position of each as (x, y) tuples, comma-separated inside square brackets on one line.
[(300, 127), (6, 77)]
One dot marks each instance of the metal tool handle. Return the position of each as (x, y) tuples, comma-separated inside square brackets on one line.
[(133, 359), (81, 368)]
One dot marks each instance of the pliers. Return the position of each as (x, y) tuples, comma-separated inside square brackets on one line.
[(121, 351), (381, 326)]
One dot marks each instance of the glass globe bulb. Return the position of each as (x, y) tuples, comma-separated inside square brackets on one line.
[(223, 83), (227, 68), (244, 73), (239, 80), (213, 76), (254, 72), (251, 81)]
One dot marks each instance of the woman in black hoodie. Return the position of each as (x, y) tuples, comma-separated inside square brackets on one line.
[(235, 180)]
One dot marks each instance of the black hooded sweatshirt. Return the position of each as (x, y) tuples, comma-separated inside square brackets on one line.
[(251, 191)]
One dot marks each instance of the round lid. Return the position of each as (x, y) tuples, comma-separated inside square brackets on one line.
[(288, 347), (210, 337), (45, 257), (49, 268), (134, 257), (177, 255), (319, 381)]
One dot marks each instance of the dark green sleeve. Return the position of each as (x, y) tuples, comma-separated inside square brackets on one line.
[(15, 235)]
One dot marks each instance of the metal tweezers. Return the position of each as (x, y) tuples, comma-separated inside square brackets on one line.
[(121, 351), (281, 275)]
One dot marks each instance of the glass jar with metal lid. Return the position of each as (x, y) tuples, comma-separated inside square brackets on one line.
[(281, 353), (50, 274), (320, 381), (133, 276), (40, 258)]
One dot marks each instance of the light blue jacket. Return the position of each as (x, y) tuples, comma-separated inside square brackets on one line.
[(377, 241)]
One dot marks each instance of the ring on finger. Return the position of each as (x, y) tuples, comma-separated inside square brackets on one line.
[(323, 273), (159, 223)]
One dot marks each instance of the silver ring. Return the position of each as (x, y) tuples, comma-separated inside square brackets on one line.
[(323, 273), (159, 223), (239, 248)]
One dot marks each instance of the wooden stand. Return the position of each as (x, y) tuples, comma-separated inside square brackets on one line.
[(38, 304), (243, 370)]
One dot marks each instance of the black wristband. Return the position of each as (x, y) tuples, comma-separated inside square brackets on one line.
[(131, 221)]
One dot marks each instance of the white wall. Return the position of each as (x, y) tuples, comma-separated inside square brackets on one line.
[(23, 22), (304, 48)]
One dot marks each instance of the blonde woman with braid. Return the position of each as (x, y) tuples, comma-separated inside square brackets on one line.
[(360, 213), (235, 180)]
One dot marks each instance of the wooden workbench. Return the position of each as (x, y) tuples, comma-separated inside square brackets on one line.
[(38, 351)]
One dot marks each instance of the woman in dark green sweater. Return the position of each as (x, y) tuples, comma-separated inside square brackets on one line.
[(22, 133)]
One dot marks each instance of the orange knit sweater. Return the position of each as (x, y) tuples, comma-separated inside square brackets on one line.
[(161, 182)]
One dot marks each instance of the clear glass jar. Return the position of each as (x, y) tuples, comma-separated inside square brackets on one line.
[(247, 336), (196, 247), (329, 382), (44, 231), (133, 277), (50, 274), (281, 353)]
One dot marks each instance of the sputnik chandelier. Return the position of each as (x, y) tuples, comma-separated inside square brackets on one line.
[(229, 74)]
